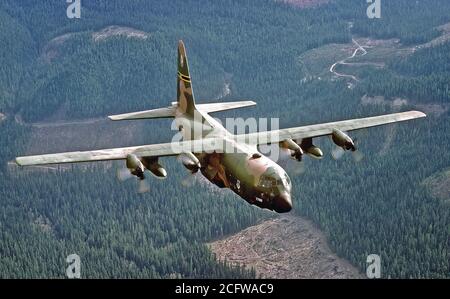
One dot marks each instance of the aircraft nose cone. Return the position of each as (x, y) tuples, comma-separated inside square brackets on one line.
[(282, 203)]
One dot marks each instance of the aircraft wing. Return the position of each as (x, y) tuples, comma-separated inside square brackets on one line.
[(152, 150), (217, 144), (326, 128)]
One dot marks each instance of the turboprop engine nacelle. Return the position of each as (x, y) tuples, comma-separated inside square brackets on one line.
[(342, 140), (154, 167), (190, 161), (135, 166), (310, 149), (290, 144)]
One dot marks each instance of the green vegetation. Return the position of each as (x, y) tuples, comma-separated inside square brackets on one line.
[(414, 22), (376, 206), (422, 77)]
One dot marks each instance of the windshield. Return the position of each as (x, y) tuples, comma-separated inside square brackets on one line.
[(267, 181), (286, 181), (275, 181)]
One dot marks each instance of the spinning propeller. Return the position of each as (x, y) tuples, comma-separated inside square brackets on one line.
[(137, 166), (344, 143)]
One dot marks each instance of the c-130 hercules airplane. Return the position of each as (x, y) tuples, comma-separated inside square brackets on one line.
[(225, 159)]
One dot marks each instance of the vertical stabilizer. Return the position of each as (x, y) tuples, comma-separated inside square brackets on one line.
[(185, 94)]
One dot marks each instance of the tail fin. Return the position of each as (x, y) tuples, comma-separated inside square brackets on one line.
[(185, 94)]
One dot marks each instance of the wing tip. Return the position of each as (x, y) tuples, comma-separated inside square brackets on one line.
[(19, 161), (418, 114), (421, 114), (119, 117), (113, 117)]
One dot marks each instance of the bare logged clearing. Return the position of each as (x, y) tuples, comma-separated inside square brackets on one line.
[(118, 31), (52, 49), (443, 38), (284, 247), (439, 185), (380, 100), (343, 60)]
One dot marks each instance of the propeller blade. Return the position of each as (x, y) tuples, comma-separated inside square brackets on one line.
[(189, 180), (144, 186), (297, 168), (286, 161), (357, 156), (284, 155), (337, 153), (123, 174)]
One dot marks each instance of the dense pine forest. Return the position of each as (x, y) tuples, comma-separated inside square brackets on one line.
[(52, 67)]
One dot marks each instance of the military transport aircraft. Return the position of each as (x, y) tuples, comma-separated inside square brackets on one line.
[(225, 159)]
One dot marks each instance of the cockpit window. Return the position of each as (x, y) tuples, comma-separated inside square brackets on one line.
[(275, 181), (286, 180), (267, 182)]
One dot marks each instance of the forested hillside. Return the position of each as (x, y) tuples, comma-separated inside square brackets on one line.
[(52, 67)]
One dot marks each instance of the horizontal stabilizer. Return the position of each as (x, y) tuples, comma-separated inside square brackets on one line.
[(154, 113), (215, 107), (170, 111)]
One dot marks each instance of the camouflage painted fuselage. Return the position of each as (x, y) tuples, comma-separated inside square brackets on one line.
[(242, 168), (251, 175)]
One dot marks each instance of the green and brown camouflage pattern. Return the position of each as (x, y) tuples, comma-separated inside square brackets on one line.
[(185, 94), (256, 178)]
